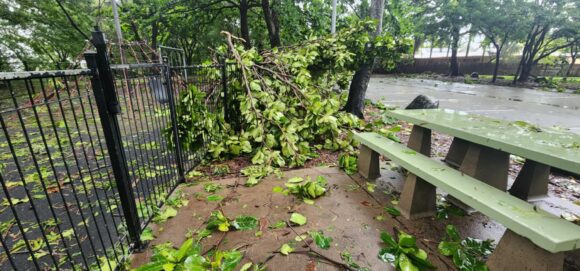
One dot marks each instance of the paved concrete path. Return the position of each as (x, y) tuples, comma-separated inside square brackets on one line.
[(534, 106)]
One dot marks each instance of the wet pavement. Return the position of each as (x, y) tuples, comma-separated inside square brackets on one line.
[(531, 105)]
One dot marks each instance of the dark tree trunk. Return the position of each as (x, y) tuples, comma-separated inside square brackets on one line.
[(357, 91), (154, 34), (416, 45), (244, 27), (468, 45), (496, 67), (272, 24), (574, 54), (135, 30), (454, 66), (526, 71), (360, 81)]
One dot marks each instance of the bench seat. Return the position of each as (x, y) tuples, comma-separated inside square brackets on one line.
[(547, 231)]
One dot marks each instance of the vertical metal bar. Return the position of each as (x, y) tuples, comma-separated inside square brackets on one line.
[(108, 107), (169, 88), (134, 163)]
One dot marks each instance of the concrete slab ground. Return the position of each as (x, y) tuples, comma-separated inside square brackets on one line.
[(350, 213), (508, 103)]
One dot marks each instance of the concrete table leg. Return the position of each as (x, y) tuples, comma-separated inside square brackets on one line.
[(514, 252), (418, 197), (456, 152), (368, 163), (487, 165), (532, 181)]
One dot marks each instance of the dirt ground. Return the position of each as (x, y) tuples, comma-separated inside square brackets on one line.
[(351, 214)]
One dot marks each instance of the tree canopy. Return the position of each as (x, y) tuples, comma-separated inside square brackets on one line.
[(38, 34)]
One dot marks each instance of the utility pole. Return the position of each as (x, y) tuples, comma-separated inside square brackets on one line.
[(118, 30), (128, 88), (333, 25)]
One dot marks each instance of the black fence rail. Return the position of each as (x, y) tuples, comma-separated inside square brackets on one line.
[(88, 156)]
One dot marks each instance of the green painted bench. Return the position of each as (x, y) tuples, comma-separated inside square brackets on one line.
[(535, 239), (481, 148)]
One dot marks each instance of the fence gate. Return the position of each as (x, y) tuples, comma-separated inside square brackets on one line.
[(84, 158)]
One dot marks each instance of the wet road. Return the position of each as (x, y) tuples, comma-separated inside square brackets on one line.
[(508, 103)]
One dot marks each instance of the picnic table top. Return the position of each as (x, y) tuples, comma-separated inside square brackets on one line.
[(554, 147)]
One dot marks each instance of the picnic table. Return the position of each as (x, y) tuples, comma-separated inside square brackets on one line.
[(481, 148), (475, 172)]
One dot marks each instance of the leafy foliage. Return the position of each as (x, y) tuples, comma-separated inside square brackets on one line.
[(468, 254), (284, 100), (446, 209), (404, 253), (307, 189), (348, 163), (188, 257), (218, 221)]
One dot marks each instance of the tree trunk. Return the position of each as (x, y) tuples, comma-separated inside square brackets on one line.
[(358, 86), (496, 68), (272, 24), (526, 71), (574, 55), (468, 45), (244, 27), (357, 91), (416, 45), (454, 66), (154, 33)]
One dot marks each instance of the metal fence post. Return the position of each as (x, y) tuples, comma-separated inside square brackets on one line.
[(108, 108), (172, 110)]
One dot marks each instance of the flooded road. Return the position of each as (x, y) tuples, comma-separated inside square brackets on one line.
[(535, 106)]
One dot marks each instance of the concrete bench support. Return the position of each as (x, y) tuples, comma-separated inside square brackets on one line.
[(487, 165), (418, 198), (532, 181), (368, 163), (456, 152), (514, 252)]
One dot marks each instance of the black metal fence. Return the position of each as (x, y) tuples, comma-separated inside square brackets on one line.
[(84, 158)]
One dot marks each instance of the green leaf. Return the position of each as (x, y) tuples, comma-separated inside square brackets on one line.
[(214, 198), (393, 211), (147, 235), (286, 249), (406, 240), (405, 264), (246, 266), (296, 180), (245, 223), (447, 248), (388, 239), (298, 219), (321, 240), (278, 225), (452, 233)]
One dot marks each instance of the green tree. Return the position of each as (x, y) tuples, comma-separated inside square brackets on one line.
[(500, 22), (360, 80), (39, 35), (552, 26)]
